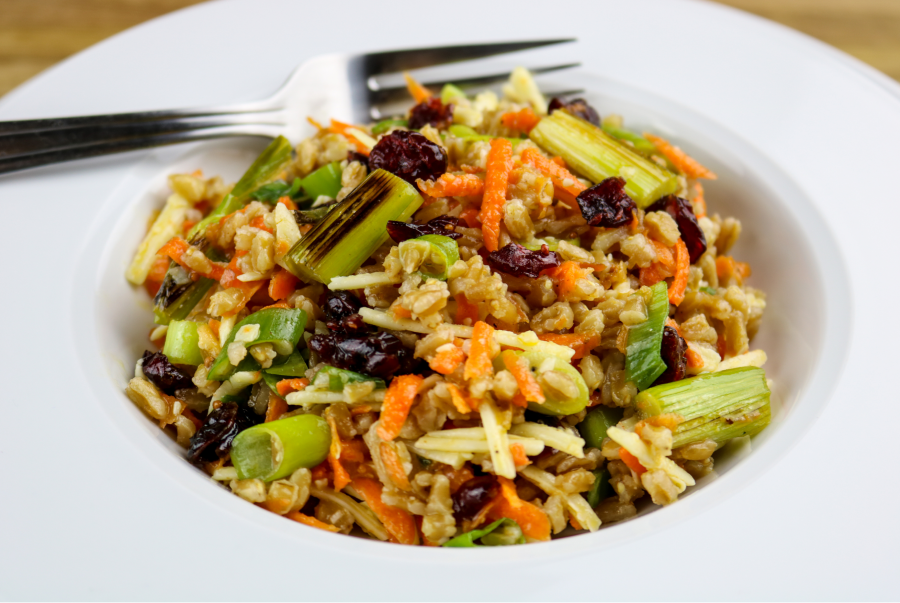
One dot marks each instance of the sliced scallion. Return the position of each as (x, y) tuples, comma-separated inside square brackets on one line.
[(386, 124), (338, 378), (273, 450), (292, 366), (450, 93), (440, 253), (641, 144), (643, 362), (324, 182), (279, 326), (183, 343)]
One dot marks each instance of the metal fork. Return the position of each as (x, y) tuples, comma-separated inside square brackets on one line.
[(343, 85)]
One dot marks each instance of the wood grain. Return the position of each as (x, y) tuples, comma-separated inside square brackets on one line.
[(35, 34)]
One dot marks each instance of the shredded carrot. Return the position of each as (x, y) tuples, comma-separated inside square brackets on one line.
[(669, 420), (518, 454), (187, 226), (446, 360), (187, 412), (470, 217), (558, 161), (633, 463), (664, 255), (534, 522), (721, 347), (321, 471), (311, 521), (743, 269), (354, 451), (360, 410), (400, 312), (287, 202), (283, 283), (582, 343), (682, 272), (416, 90), (397, 401), (567, 276), (561, 177), (478, 364), (214, 325), (465, 311), (286, 386), (522, 121), (499, 165), (462, 402), (452, 185), (694, 360), (399, 524), (341, 476), (518, 399), (528, 385), (277, 505), (177, 248), (394, 466), (282, 305), (346, 130), (699, 201), (727, 267), (260, 223), (457, 477), (652, 274), (681, 160), (575, 523), (277, 407), (595, 267)]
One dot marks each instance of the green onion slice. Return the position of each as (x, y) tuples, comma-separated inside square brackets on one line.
[(643, 362), (276, 449), (279, 326), (183, 343)]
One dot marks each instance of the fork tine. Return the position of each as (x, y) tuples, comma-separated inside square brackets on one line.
[(378, 63), (385, 96)]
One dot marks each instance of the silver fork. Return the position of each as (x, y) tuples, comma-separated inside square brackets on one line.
[(341, 84)]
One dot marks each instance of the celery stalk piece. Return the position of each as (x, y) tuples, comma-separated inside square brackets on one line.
[(719, 406), (325, 181), (450, 93), (595, 423), (643, 362), (592, 153), (356, 227), (338, 378), (183, 343)]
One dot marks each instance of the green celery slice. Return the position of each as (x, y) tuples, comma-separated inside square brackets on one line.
[(183, 343), (444, 253), (275, 325), (325, 181), (592, 153), (595, 423), (450, 92), (302, 441), (357, 226), (386, 124), (553, 405), (273, 191), (643, 362), (338, 378), (505, 531), (719, 406)]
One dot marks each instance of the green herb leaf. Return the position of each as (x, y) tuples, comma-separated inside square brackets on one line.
[(502, 532)]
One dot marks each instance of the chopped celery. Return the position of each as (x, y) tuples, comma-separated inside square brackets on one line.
[(600, 489), (552, 243), (273, 191), (461, 131), (293, 366), (325, 181), (595, 423), (719, 406), (338, 378), (554, 404), (278, 326), (356, 227), (183, 343), (592, 153), (450, 92), (641, 144), (271, 161), (273, 450), (442, 253), (500, 533), (643, 362), (386, 124)]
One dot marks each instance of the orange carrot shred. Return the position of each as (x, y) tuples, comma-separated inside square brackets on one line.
[(534, 522), (478, 363), (684, 162), (400, 312), (664, 254), (523, 120), (652, 274), (633, 463), (470, 217), (286, 386), (528, 385), (452, 185), (694, 360), (346, 130), (283, 283), (582, 343), (462, 403), (561, 177), (499, 165), (457, 477), (341, 476), (311, 521), (394, 467), (567, 275), (465, 311), (446, 361), (682, 272), (397, 401), (699, 201), (518, 454), (277, 407), (287, 202), (400, 525), (416, 90)]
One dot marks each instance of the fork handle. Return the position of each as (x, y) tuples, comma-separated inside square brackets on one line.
[(94, 149)]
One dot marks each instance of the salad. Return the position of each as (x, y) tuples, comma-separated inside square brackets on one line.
[(494, 320)]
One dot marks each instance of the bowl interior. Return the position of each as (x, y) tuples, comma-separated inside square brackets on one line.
[(783, 239)]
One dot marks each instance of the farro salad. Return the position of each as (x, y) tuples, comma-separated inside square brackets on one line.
[(493, 321)]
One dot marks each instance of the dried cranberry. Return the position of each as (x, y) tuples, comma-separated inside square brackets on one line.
[(213, 440), (690, 230), (379, 355), (164, 375), (408, 155), (340, 304), (442, 225), (577, 107), (359, 157), (672, 351), (519, 261), (473, 495), (431, 111), (607, 204), (353, 324)]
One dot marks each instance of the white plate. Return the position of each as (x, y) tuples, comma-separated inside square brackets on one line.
[(803, 138)]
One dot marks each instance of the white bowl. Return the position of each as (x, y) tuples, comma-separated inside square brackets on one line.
[(779, 224)]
